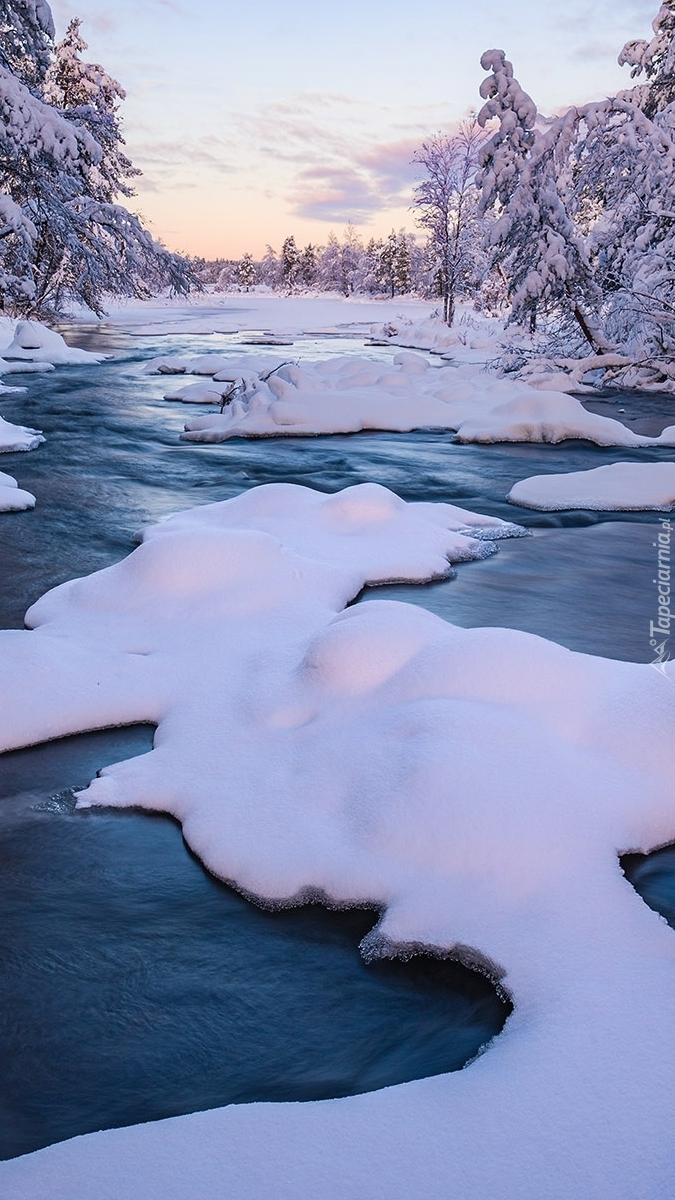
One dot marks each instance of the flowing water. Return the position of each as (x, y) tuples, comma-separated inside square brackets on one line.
[(132, 984)]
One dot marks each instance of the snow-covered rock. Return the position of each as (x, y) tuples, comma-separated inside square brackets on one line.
[(476, 784), (35, 343), (622, 486), (18, 437), (12, 497)]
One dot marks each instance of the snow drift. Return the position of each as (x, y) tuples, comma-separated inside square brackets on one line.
[(35, 343), (349, 393), (618, 486)]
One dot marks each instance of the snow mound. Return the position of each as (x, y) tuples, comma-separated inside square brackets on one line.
[(243, 371), (472, 338), (201, 393), (475, 784), (224, 366), (543, 416), (350, 393), (12, 497), (18, 437), (35, 343), (23, 368), (620, 486)]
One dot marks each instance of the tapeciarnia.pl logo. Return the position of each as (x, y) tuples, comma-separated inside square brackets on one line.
[(659, 630)]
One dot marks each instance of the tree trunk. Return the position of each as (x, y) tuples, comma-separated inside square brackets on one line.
[(585, 329)]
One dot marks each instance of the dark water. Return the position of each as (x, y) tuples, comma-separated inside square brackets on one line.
[(653, 876), (133, 985)]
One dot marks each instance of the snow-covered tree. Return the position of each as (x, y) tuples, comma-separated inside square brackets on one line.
[(392, 264), (62, 236), (290, 263), (402, 264), (338, 263), (86, 94), (522, 178), (26, 37), (308, 265), (656, 60), (584, 208), (246, 272), (446, 203), (37, 145), (351, 251), (385, 268), (270, 271), (627, 155)]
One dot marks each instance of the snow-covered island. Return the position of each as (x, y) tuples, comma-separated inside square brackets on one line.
[(348, 394), (627, 486)]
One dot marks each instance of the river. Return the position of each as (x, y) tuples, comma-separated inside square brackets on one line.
[(135, 986)]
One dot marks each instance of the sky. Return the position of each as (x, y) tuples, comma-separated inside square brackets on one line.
[(251, 122)]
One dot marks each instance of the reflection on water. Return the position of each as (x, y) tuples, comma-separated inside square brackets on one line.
[(134, 986)]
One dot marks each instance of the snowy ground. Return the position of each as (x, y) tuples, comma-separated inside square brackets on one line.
[(284, 316)]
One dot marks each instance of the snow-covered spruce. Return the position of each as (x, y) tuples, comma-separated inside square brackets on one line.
[(477, 784), (619, 486), (12, 497)]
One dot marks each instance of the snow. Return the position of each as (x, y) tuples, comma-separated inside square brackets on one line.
[(12, 497), (534, 415), (221, 366), (201, 393), (37, 344), (619, 486), (266, 312), (475, 784), (349, 393), (472, 338), (18, 437)]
